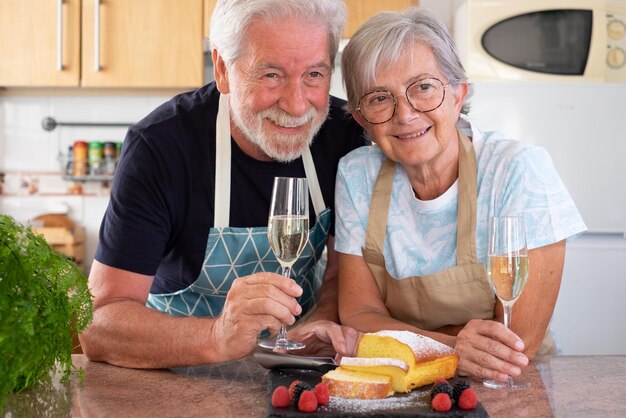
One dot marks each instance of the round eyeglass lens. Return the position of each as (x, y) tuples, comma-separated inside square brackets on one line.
[(377, 106), (426, 95)]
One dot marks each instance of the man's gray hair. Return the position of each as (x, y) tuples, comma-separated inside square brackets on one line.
[(231, 18), (380, 42)]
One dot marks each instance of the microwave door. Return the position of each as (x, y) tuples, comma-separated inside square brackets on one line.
[(549, 41)]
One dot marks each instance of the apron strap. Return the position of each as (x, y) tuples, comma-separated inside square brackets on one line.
[(314, 185), (379, 207), (466, 207), (222, 165), (222, 169)]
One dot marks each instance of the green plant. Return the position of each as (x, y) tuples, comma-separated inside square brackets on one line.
[(43, 298)]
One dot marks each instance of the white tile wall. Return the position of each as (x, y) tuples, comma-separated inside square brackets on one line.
[(27, 146), (28, 153)]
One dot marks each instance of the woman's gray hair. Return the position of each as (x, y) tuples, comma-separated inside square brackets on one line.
[(231, 18), (381, 40)]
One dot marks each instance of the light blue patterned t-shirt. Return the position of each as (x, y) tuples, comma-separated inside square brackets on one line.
[(513, 178)]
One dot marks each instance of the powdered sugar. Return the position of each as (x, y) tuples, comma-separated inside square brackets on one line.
[(373, 361), (418, 343), (415, 400)]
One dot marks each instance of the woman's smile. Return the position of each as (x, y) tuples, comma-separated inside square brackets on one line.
[(414, 134)]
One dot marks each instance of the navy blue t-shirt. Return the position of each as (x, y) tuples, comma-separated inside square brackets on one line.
[(162, 199)]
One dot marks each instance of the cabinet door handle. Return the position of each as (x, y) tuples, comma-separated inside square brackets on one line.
[(96, 37), (59, 35)]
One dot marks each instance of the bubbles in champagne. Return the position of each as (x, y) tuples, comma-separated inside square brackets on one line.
[(508, 275), (288, 236)]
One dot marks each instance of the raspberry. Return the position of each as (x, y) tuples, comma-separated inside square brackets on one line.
[(440, 379), (441, 402), (468, 399), (441, 387), (307, 401), (291, 387), (459, 388), (280, 397), (321, 393), (298, 389)]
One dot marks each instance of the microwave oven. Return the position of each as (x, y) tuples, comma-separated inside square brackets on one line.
[(542, 40)]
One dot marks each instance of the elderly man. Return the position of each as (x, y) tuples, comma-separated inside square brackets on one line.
[(183, 272)]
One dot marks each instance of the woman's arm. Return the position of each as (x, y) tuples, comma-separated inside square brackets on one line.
[(361, 305), (320, 327), (487, 349), (533, 310)]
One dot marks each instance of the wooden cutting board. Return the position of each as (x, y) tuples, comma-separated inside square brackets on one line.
[(413, 404), (54, 219)]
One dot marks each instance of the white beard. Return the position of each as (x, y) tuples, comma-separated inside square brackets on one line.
[(283, 148)]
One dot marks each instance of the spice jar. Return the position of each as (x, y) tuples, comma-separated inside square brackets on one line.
[(69, 163), (96, 155), (81, 163), (110, 156)]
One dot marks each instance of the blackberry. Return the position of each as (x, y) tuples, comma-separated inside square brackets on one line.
[(441, 387), (298, 389), (459, 388)]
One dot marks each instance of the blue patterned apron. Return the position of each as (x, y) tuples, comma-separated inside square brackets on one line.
[(235, 252)]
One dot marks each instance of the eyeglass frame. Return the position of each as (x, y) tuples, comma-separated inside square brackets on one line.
[(406, 95)]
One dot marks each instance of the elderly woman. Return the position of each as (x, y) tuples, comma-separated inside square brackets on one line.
[(413, 210)]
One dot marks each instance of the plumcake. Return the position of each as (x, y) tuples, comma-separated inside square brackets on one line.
[(350, 384), (426, 358), (394, 368)]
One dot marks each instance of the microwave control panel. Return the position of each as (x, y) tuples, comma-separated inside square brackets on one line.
[(615, 41)]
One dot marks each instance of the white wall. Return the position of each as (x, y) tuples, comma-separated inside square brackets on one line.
[(580, 125)]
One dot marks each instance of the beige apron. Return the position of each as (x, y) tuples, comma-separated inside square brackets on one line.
[(449, 297)]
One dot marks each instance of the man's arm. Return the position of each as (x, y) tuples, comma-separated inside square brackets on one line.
[(126, 333)]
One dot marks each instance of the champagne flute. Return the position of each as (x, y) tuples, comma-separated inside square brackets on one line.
[(288, 233), (507, 269)]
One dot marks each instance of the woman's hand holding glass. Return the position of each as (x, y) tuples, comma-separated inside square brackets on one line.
[(507, 269)]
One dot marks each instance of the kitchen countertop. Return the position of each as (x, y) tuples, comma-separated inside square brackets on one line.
[(562, 386)]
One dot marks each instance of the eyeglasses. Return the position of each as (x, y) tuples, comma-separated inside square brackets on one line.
[(423, 95)]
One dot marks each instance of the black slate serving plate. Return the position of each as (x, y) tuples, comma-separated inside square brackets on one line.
[(413, 404)]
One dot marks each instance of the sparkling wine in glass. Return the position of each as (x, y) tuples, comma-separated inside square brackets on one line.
[(288, 233), (507, 269)]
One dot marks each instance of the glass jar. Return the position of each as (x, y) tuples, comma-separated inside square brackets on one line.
[(110, 156), (81, 162), (96, 156), (69, 161)]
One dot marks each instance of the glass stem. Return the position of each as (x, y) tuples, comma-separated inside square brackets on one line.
[(282, 334), (507, 314), (508, 307)]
